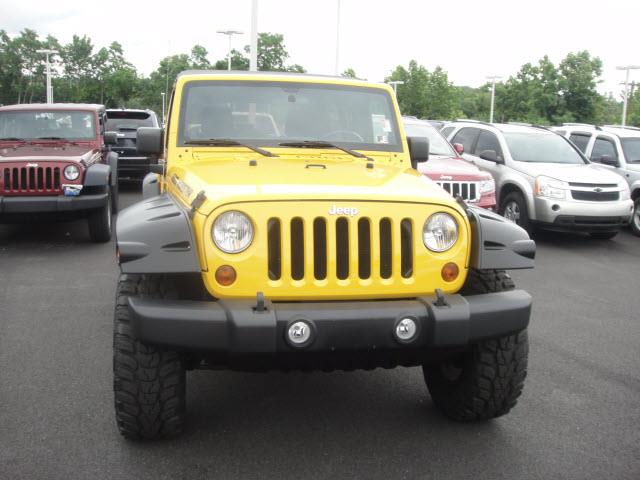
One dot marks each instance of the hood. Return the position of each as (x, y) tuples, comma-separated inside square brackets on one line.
[(441, 167), (585, 173), (47, 151), (291, 178)]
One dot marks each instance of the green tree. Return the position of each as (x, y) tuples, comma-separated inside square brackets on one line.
[(349, 73), (579, 74)]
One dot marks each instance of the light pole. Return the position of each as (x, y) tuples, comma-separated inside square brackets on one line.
[(493, 79), (626, 91), (230, 33), (395, 84), (48, 52), (163, 97), (253, 54), (337, 69)]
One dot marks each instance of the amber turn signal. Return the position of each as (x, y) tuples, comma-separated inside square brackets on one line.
[(450, 272), (225, 275)]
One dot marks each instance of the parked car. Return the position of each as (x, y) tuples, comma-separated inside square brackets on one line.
[(457, 176), (319, 248), (125, 122), (55, 164), (615, 148), (544, 180)]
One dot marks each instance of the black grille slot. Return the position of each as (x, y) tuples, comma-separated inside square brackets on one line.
[(447, 187), (274, 247), (386, 253), (16, 179), (342, 248), (297, 249), (406, 248), (320, 248), (23, 178), (472, 191), (364, 248), (6, 179), (56, 178), (595, 196)]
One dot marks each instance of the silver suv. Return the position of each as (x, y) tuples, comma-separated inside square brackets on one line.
[(615, 148), (543, 180)]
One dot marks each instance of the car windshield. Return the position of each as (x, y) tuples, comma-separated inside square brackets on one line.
[(437, 143), (541, 148), (271, 113), (47, 124), (631, 149), (126, 120)]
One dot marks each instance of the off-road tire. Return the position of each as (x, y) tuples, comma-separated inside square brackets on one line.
[(148, 381), (635, 220), (485, 381), (518, 199), (603, 235), (100, 221)]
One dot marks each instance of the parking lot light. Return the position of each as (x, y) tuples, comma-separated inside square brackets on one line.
[(625, 95)]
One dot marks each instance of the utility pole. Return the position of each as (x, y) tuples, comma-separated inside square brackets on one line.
[(163, 107), (337, 69), (493, 79), (395, 84), (253, 56), (48, 52), (625, 97), (230, 33)]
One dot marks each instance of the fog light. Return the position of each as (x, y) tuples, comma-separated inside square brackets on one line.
[(450, 272), (406, 329), (225, 275), (299, 333)]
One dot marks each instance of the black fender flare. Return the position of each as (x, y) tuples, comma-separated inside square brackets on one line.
[(112, 161), (97, 174), (497, 243), (156, 236)]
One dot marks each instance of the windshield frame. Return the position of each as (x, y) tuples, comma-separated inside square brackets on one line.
[(623, 142), (583, 159), (34, 111), (182, 141)]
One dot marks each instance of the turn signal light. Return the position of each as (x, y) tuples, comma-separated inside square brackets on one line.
[(225, 275), (450, 272)]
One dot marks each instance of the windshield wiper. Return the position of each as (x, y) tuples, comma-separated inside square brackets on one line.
[(227, 142), (322, 144)]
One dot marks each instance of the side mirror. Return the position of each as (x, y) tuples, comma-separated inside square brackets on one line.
[(608, 160), (418, 150), (459, 148), (110, 138), (150, 140), (491, 156)]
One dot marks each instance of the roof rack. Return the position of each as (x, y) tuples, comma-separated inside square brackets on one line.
[(626, 127), (578, 124), (468, 120)]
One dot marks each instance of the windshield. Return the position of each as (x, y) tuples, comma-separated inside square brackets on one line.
[(123, 120), (541, 148), (631, 149), (52, 124), (270, 113), (437, 144)]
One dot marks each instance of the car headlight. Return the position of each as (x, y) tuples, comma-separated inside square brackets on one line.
[(71, 172), (440, 232), (487, 186), (550, 187), (232, 232)]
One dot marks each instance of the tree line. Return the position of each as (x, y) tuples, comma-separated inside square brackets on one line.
[(541, 93)]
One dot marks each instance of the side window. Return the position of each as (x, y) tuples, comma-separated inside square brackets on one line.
[(603, 146), (580, 140), (467, 137), (447, 130), (488, 141)]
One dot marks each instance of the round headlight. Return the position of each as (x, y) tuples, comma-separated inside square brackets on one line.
[(232, 232), (440, 232), (71, 172)]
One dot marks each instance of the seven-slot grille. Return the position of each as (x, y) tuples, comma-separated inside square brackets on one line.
[(30, 179), (469, 191), (345, 247)]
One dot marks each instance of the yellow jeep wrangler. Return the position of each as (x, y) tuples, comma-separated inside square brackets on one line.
[(289, 229)]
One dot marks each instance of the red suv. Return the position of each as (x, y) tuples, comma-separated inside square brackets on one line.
[(55, 163), (449, 170)]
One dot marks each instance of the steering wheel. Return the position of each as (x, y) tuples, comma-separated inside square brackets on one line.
[(354, 134)]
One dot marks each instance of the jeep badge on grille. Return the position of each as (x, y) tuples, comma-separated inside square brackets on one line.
[(351, 211)]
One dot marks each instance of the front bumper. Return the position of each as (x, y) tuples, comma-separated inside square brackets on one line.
[(238, 327), (51, 204), (587, 216)]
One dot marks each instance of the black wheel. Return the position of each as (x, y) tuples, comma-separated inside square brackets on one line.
[(485, 381), (148, 381), (100, 222), (514, 208), (603, 235), (635, 220)]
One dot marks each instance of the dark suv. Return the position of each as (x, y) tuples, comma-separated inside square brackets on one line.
[(125, 122)]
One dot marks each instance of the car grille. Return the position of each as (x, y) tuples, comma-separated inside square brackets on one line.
[(469, 191), (25, 179), (592, 196)]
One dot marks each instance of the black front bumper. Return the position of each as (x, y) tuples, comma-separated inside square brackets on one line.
[(570, 223), (52, 204), (237, 327)]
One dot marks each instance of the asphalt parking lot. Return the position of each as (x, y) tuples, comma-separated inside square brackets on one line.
[(579, 416)]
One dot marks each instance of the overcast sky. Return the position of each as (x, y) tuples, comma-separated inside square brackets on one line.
[(469, 39)]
